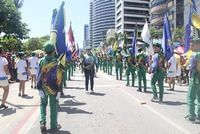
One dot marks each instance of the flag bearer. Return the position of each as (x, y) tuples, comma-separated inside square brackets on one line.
[(194, 85), (131, 67), (49, 85), (141, 69), (119, 65), (158, 72)]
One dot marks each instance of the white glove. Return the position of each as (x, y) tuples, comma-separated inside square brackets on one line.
[(58, 95), (41, 93)]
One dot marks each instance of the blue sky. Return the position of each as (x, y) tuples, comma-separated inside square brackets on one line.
[(37, 14)]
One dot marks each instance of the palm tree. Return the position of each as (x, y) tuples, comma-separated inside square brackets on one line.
[(18, 3)]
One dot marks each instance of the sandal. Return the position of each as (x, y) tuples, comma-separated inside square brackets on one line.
[(3, 106)]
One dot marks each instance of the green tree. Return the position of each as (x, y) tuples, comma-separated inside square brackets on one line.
[(10, 20), (35, 43), (156, 33), (179, 33)]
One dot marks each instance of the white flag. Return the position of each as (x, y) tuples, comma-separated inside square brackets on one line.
[(146, 37)]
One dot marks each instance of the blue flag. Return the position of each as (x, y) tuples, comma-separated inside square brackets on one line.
[(194, 7), (59, 27), (134, 42), (167, 37), (188, 33)]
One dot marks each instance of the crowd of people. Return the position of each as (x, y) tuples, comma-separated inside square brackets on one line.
[(49, 76)]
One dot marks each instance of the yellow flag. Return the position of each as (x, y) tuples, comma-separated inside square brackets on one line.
[(115, 47)]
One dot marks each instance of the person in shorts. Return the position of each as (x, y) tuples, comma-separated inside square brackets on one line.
[(171, 72), (22, 73), (33, 64), (4, 76)]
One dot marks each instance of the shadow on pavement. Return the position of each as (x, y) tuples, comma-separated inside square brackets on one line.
[(7, 111), (72, 103), (49, 131), (173, 103), (97, 94), (67, 96), (76, 80), (75, 88), (73, 110), (179, 91), (27, 97)]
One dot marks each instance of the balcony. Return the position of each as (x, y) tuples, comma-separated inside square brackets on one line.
[(158, 5)]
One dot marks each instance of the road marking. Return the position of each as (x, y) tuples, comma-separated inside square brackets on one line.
[(27, 122), (181, 129)]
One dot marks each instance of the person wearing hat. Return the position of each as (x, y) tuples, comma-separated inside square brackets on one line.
[(157, 69), (89, 63), (119, 65), (109, 64), (194, 85), (4, 76), (33, 64), (131, 67), (141, 60), (49, 82), (22, 73)]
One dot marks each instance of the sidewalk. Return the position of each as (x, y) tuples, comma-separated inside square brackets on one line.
[(19, 109)]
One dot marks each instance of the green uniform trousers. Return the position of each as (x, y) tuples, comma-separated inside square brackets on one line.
[(159, 77), (53, 110), (141, 71), (130, 70), (118, 69), (109, 68), (193, 93)]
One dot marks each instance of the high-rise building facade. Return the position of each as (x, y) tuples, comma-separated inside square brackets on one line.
[(129, 14), (86, 36), (102, 18), (174, 10)]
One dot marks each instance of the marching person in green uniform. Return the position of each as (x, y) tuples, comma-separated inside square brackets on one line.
[(157, 69), (194, 85), (104, 63), (130, 62), (141, 69), (109, 62), (119, 65), (100, 60), (49, 82)]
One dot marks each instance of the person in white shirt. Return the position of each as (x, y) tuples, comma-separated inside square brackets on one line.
[(22, 73), (4, 76), (171, 72), (33, 64)]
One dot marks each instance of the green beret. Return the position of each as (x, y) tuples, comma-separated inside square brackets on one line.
[(196, 41), (157, 45), (48, 47)]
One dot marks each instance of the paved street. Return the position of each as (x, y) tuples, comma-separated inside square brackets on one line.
[(112, 109)]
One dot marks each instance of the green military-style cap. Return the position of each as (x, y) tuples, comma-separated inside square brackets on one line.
[(48, 47), (157, 45), (21, 53)]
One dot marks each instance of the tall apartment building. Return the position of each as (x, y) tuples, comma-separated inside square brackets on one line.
[(130, 13), (174, 9), (86, 36), (102, 18)]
